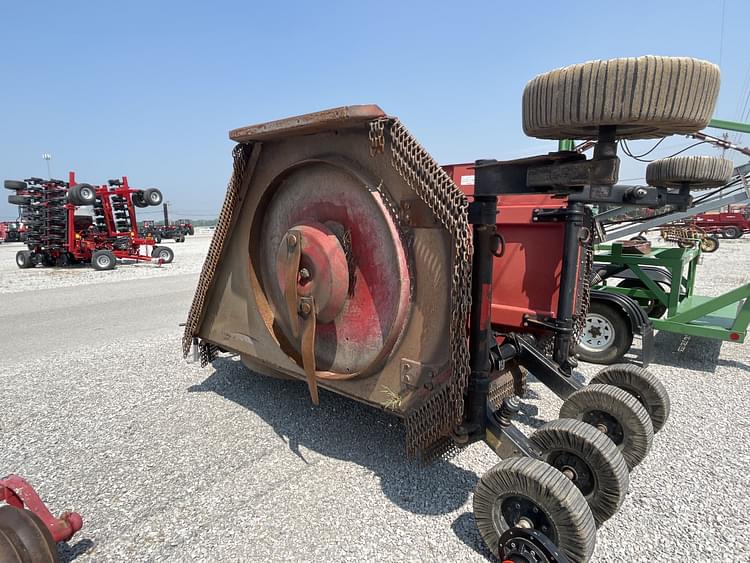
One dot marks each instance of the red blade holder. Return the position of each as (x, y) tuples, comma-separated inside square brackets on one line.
[(17, 492)]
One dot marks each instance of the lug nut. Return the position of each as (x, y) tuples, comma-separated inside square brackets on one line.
[(304, 274)]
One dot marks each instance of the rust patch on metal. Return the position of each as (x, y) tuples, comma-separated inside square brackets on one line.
[(336, 118)]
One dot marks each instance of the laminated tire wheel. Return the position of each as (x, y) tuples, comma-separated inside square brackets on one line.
[(616, 413), (643, 385), (530, 493), (696, 172), (589, 459), (644, 97)]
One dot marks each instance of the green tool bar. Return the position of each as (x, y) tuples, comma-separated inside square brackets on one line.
[(566, 145), (729, 125)]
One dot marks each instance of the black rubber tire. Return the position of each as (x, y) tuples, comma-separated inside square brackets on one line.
[(19, 200), (732, 232), (160, 251), (153, 197), (24, 259), (602, 474), (643, 385), (82, 194), (633, 432), (645, 97), (709, 244), (573, 527), (28, 534), (623, 335), (655, 309), (139, 200), (699, 172), (15, 185), (103, 260)]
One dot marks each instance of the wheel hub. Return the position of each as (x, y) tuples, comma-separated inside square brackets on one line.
[(598, 333), (607, 424), (521, 511)]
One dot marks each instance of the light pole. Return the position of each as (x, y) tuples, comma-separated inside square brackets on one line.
[(46, 156)]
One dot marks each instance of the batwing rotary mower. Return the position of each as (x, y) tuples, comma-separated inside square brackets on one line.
[(346, 257)]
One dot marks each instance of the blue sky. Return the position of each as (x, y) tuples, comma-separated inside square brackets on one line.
[(150, 89)]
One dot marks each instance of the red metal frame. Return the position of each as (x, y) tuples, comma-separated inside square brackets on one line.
[(82, 244), (17, 492), (526, 277)]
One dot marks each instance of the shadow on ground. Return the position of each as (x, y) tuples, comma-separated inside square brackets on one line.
[(68, 552), (344, 429), (466, 530), (688, 352)]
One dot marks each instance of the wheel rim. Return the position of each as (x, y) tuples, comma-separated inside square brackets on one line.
[(514, 509), (164, 255), (20, 260), (86, 193), (102, 261), (598, 333), (575, 468), (606, 424)]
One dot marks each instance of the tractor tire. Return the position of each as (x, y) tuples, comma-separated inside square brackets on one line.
[(732, 232), (139, 199), (644, 98), (153, 197), (522, 487), (103, 260), (24, 259), (19, 200), (15, 185), (709, 244), (191, 231), (164, 252), (82, 194), (699, 172), (607, 335)]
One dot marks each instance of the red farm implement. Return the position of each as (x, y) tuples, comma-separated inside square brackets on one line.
[(28, 531), (60, 233), (374, 273)]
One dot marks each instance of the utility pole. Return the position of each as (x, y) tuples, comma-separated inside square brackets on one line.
[(46, 156)]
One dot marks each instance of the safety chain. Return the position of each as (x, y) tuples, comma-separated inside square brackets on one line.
[(429, 426), (241, 154), (579, 319)]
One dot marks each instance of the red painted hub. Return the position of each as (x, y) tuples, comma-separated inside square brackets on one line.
[(323, 271), (354, 256)]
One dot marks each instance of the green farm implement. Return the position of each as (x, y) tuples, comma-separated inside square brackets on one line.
[(662, 281)]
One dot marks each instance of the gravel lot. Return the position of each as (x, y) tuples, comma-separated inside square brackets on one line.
[(168, 461)]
